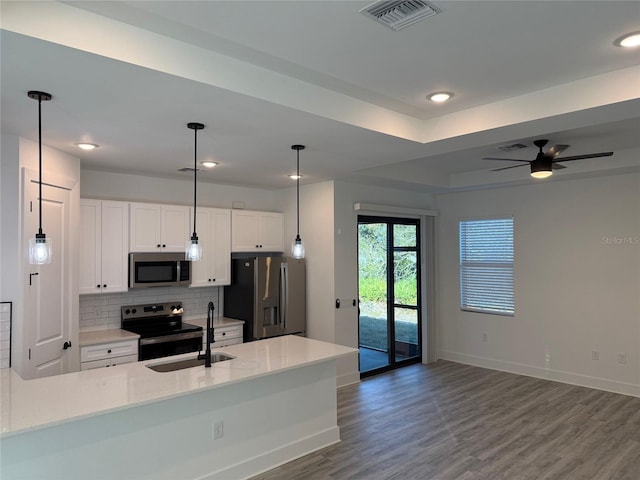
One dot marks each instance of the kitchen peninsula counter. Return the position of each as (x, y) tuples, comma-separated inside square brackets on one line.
[(277, 399)]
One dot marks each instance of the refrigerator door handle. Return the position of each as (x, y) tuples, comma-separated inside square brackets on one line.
[(284, 284)]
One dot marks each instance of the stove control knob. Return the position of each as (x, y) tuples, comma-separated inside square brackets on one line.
[(134, 310), (127, 311), (179, 307)]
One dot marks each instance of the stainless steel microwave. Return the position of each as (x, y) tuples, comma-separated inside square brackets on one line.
[(158, 270)]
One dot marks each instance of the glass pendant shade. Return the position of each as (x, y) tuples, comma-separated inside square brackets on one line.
[(40, 250), (193, 250), (297, 248)]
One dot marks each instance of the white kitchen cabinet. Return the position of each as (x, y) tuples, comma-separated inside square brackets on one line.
[(158, 228), (224, 335), (213, 226), (104, 240), (256, 231), (108, 354)]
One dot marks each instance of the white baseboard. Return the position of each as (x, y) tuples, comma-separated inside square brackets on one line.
[(278, 456), (348, 379), (546, 374)]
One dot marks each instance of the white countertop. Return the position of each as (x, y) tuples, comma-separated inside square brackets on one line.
[(30, 404), (106, 336), (217, 322)]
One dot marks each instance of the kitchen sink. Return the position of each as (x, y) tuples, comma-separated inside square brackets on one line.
[(188, 363)]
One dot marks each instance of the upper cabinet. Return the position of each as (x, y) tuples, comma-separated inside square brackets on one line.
[(104, 238), (157, 228), (214, 234), (256, 231)]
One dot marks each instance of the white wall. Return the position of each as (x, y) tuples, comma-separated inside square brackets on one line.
[(577, 282), (329, 229)]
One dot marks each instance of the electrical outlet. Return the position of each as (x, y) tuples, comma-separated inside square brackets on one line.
[(595, 355), (622, 358), (485, 337), (218, 430)]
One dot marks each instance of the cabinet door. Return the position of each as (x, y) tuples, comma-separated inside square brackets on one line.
[(201, 270), (271, 228), (221, 258), (89, 230), (144, 234), (244, 231), (115, 246), (214, 233), (175, 229)]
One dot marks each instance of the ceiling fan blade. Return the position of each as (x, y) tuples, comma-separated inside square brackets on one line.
[(507, 168), (556, 150), (557, 166), (507, 159), (582, 157)]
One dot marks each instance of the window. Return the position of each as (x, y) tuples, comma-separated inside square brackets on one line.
[(486, 266)]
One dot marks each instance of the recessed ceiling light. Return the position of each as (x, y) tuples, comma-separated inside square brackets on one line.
[(295, 177), (629, 40), (440, 97), (209, 164), (86, 146)]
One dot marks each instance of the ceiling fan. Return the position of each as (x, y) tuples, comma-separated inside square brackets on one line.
[(546, 162)]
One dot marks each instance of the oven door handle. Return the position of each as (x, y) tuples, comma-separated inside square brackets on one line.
[(170, 338)]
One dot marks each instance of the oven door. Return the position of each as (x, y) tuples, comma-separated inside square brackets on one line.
[(167, 345)]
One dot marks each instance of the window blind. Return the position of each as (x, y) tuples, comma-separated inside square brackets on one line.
[(486, 266)]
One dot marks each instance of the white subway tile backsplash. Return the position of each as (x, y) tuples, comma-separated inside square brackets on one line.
[(5, 334), (102, 312)]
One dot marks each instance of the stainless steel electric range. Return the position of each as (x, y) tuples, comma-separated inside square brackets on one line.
[(161, 329)]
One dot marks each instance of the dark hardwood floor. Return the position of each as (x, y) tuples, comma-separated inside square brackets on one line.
[(453, 421)]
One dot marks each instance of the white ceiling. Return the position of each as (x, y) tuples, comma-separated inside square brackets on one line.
[(265, 75)]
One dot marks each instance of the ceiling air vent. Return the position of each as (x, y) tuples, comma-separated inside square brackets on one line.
[(400, 14), (512, 147), (188, 169)]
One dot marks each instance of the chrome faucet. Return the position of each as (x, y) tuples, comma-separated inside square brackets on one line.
[(207, 353)]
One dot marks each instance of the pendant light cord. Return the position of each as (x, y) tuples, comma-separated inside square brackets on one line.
[(298, 195), (40, 164), (195, 176)]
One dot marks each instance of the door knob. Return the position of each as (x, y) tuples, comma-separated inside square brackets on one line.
[(66, 345)]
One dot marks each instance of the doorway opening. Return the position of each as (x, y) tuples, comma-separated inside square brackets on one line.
[(389, 313)]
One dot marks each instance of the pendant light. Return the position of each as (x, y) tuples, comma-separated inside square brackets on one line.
[(297, 247), (193, 250), (40, 246)]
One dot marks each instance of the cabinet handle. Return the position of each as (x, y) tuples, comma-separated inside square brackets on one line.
[(105, 285), (158, 245), (66, 345), (109, 351), (224, 333), (164, 246), (257, 246), (98, 286), (214, 279)]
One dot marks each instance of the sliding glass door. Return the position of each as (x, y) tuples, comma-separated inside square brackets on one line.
[(389, 286)]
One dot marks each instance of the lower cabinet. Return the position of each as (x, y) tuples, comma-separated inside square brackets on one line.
[(108, 354), (225, 336)]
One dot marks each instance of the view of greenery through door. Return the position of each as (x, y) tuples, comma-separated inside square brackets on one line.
[(389, 268)]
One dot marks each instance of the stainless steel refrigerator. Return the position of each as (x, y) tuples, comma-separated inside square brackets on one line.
[(269, 294)]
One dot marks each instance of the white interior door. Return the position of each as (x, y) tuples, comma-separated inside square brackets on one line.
[(47, 312)]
